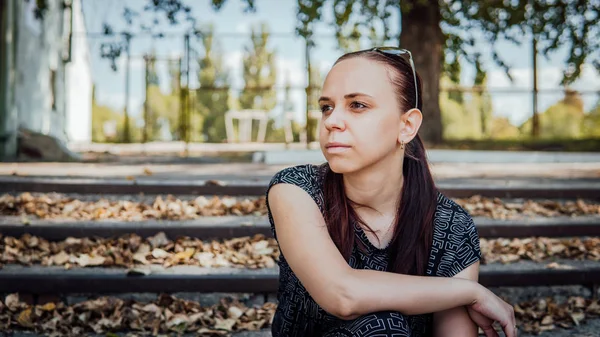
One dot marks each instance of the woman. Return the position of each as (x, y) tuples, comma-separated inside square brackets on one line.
[(369, 247)]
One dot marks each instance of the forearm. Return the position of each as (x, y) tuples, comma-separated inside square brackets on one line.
[(372, 291)]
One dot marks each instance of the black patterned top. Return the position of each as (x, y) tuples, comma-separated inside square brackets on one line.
[(455, 246)]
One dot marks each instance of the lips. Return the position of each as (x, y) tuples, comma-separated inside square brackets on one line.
[(336, 145)]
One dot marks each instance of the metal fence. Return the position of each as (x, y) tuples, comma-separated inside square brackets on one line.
[(162, 97)]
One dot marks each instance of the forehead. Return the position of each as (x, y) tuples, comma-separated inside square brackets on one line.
[(357, 75)]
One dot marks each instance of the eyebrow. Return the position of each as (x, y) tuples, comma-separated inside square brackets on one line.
[(351, 95)]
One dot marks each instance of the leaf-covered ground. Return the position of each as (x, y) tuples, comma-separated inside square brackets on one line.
[(53, 206), (257, 251), (169, 314)]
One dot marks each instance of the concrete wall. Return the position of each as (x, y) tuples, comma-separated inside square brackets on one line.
[(39, 50), (79, 83), (46, 94)]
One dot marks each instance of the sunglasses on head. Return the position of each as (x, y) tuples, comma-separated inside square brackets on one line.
[(395, 51)]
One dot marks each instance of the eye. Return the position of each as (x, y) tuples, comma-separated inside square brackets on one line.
[(357, 105), (325, 108)]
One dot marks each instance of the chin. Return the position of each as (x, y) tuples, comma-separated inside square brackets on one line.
[(342, 165)]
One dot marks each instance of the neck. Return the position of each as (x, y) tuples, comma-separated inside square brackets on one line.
[(377, 186)]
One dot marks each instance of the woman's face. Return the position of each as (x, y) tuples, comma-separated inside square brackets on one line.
[(361, 121)]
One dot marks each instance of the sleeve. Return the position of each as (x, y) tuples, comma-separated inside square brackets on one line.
[(460, 246), (301, 176)]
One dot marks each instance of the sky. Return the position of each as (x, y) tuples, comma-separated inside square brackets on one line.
[(232, 26)]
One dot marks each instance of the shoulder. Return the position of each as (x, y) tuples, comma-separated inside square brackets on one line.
[(308, 177), (455, 243), (301, 175), (451, 217)]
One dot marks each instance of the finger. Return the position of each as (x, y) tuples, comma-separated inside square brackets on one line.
[(513, 322), (510, 329), (490, 332)]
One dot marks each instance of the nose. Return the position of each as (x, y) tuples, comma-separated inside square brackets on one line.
[(334, 120)]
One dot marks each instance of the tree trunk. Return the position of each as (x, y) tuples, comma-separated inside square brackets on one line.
[(422, 35)]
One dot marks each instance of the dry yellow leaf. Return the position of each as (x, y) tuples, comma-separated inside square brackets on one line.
[(185, 255), (48, 306), (24, 318)]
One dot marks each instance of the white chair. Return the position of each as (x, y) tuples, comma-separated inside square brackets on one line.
[(245, 118)]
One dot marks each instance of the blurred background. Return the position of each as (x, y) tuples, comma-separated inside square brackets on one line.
[(512, 74), (138, 137)]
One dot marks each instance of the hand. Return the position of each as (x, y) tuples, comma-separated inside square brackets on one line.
[(489, 308)]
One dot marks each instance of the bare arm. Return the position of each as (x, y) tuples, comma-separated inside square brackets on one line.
[(341, 290), (456, 322)]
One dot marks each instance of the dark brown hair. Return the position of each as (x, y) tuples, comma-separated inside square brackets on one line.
[(413, 233)]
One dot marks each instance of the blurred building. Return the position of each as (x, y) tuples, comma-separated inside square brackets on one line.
[(45, 73)]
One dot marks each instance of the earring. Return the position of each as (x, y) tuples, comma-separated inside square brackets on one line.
[(402, 145)]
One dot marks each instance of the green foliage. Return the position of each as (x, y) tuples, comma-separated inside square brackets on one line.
[(461, 118), (105, 121), (313, 94), (472, 117), (554, 23), (524, 144), (349, 26), (162, 107), (564, 119), (502, 128), (482, 104), (308, 12), (591, 122), (455, 119), (107, 124), (103, 116), (570, 23), (277, 135), (288, 104), (213, 95), (260, 72)]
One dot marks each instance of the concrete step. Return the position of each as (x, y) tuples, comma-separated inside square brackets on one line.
[(299, 156), (223, 227), (186, 278), (453, 188)]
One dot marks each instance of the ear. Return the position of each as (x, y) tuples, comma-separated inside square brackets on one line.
[(410, 122)]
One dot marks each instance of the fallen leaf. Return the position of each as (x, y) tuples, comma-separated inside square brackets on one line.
[(12, 302), (24, 318), (547, 320), (61, 258), (185, 255), (224, 324), (85, 260), (234, 312), (159, 240), (177, 319), (555, 265), (138, 271), (158, 253), (213, 182), (48, 306)]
